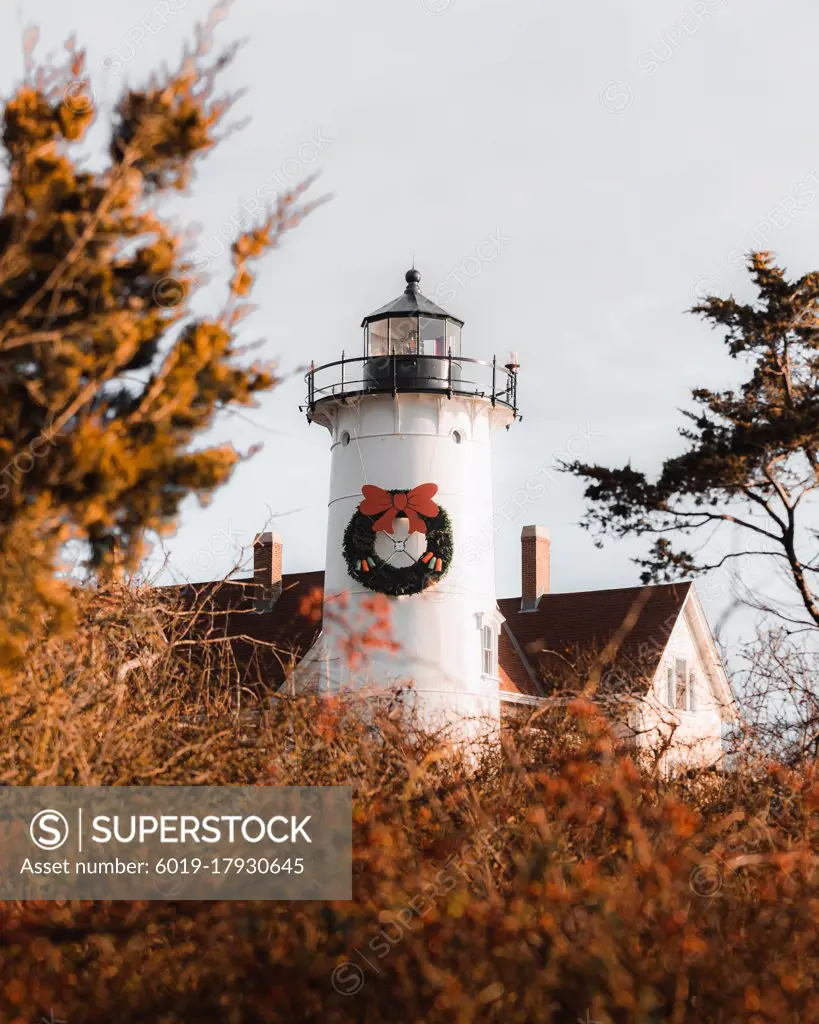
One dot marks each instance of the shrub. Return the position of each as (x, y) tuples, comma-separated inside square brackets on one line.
[(549, 881)]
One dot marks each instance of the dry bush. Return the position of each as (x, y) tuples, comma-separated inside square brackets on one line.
[(778, 677), (549, 881)]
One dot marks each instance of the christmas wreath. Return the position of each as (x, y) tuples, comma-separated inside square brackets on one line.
[(377, 513)]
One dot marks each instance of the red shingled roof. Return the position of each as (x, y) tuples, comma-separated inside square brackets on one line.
[(533, 649), (566, 627)]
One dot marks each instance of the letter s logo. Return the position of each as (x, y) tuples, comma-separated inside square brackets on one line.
[(48, 830)]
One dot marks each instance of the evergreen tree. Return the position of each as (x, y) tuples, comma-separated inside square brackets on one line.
[(750, 462)]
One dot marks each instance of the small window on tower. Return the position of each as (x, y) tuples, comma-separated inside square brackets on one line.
[(490, 652)]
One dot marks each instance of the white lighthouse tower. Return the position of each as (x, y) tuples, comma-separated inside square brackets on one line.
[(411, 423)]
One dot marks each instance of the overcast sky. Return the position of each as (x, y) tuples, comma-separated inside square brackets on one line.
[(573, 174)]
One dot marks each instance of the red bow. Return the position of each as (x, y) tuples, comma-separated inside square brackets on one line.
[(412, 504)]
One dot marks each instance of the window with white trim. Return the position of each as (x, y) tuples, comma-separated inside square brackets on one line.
[(489, 651), (681, 687)]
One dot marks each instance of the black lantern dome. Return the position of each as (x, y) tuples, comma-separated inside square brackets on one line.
[(412, 325)]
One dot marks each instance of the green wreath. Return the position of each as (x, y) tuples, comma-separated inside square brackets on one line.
[(370, 570)]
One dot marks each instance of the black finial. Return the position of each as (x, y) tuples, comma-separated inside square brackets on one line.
[(412, 277)]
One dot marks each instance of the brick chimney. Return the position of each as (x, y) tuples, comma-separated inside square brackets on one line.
[(267, 569), (535, 546)]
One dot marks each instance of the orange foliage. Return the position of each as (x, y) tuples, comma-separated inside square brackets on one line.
[(550, 881), (107, 379)]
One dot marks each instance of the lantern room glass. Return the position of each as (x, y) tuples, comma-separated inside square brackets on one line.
[(412, 336), (433, 336), (403, 335), (453, 338), (378, 338)]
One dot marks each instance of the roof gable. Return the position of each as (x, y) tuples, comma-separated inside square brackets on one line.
[(567, 631)]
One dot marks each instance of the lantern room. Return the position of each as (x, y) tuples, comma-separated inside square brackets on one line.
[(412, 325), (412, 345)]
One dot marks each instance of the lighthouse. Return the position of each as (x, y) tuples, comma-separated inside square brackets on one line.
[(411, 420)]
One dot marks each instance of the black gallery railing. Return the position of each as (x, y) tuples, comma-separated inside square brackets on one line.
[(448, 375)]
